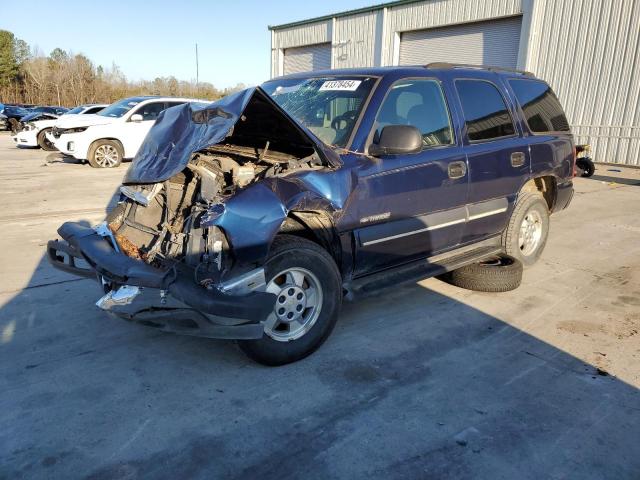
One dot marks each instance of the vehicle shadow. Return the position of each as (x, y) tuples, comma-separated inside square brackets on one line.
[(412, 384)]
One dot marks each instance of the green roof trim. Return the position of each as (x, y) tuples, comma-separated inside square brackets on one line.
[(356, 11)]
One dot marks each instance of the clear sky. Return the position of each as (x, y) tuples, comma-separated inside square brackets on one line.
[(149, 39)]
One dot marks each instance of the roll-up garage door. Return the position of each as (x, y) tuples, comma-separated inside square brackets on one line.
[(493, 42), (308, 58)]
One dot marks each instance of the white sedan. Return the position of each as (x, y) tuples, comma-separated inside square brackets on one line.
[(115, 133), (34, 134)]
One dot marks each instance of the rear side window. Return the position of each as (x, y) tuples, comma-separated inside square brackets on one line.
[(419, 103), (485, 113), (541, 107)]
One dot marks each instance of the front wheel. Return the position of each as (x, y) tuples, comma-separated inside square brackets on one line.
[(307, 285), (44, 142), (526, 234), (105, 154)]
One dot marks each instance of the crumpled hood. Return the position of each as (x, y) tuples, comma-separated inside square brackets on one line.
[(32, 117), (181, 131), (73, 121)]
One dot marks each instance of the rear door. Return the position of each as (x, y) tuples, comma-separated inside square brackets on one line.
[(409, 206), (551, 142), (497, 155)]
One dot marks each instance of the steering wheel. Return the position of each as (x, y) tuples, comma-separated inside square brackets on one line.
[(349, 118)]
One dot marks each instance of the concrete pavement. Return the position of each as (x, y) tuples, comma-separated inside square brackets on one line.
[(425, 381)]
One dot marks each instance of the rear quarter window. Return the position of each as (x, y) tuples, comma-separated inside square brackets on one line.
[(540, 106), (485, 113)]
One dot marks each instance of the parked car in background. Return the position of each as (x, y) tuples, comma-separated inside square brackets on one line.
[(114, 134), (54, 110), (13, 115), (35, 126), (34, 116), (250, 219)]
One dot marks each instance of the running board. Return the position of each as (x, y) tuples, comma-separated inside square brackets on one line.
[(416, 271)]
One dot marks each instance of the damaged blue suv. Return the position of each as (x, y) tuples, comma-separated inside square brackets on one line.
[(253, 217)]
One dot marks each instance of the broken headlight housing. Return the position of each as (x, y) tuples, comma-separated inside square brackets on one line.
[(73, 130)]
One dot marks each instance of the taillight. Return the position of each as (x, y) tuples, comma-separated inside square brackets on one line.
[(575, 159)]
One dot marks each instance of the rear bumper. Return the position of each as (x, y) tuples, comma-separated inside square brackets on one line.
[(166, 299)]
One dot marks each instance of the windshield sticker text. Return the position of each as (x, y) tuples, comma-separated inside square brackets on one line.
[(348, 85)]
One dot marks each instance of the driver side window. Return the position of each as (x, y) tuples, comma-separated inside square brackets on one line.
[(419, 103)]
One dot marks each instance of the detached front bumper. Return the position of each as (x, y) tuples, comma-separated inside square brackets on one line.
[(166, 299), (26, 138)]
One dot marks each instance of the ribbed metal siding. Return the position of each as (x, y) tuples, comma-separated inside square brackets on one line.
[(594, 70), (309, 34), (307, 59), (490, 43), (354, 40)]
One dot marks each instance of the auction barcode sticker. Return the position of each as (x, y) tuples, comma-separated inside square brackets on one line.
[(349, 85)]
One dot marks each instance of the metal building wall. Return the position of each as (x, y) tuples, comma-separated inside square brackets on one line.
[(298, 36), (354, 41), (589, 52)]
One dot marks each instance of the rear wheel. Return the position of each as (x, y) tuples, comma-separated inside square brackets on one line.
[(105, 154), (44, 142), (307, 285), (526, 234)]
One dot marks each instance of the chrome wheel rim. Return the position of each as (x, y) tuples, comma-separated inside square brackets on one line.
[(298, 304), (106, 156), (530, 233)]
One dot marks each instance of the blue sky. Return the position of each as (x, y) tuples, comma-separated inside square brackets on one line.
[(157, 38)]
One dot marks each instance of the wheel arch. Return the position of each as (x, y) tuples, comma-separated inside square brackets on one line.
[(547, 185), (317, 226)]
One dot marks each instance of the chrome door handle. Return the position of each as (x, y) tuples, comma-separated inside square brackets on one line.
[(457, 170), (517, 159)]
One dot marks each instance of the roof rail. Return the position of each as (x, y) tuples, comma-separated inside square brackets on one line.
[(491, 68)]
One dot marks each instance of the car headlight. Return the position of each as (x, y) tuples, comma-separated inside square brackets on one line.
[(74, 130), (29, 126)]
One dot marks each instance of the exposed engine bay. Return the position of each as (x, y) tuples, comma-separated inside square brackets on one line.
[(160, 223)]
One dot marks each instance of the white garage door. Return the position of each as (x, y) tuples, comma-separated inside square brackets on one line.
[(308, 58), (492, 42)]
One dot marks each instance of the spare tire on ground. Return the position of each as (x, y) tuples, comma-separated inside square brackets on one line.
[(500, 273)]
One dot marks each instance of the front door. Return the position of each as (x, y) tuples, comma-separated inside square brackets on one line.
[(410, 206)]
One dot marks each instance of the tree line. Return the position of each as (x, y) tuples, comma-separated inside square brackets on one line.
[(68, 79)]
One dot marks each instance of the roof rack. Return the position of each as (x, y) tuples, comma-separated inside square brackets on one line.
[(491, 68)]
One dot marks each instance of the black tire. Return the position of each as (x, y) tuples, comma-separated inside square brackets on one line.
[(587, 167), (529, 205), (94, 153), (288, 252), (497, 274), (44, 143)]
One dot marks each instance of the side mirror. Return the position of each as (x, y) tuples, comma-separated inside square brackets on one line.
[(136, 117), (397, 140)]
